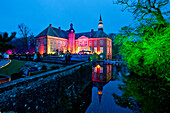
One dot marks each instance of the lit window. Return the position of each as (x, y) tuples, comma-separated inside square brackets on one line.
[(85, 42), (101, 49), (76, 44), (101, 70), (107, 42), (95, 49), (95, 43), (90, 43), (62, 43), (101, 42)]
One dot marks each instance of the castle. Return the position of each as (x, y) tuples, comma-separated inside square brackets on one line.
[(52, 39)]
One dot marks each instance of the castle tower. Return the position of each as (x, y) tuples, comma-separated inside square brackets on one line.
[(100, 25), (71, 39)]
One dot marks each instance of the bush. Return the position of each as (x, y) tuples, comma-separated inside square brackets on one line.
[(15, 76), (54, 67), (44, 67)]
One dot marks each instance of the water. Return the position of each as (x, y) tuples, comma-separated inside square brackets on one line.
[(109, 89), (105, 81), (113, 91)]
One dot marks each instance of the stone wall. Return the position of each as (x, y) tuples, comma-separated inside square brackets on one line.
[(46, 91)]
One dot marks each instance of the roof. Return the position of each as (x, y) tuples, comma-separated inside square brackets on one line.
[(52, 31), (95, 34)]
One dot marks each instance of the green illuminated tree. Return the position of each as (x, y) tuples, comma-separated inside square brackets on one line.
[(4, 42), (146, 47)]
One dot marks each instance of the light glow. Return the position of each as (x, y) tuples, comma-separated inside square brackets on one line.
[(100, 92), (6, 64)]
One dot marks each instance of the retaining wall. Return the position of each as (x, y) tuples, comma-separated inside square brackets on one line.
[(43, 91)]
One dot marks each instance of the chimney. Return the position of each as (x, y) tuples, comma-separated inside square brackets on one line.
[(50, 25), (91, 30), (59, 28)]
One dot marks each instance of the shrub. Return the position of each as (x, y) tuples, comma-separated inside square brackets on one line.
[(54, 67), (44, 67)]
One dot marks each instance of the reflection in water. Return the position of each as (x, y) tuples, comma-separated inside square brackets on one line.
[(4, 79), (144, 94), (101, 75), (105, 79)]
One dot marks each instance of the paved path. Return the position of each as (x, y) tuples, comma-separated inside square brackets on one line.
[(3, 63)]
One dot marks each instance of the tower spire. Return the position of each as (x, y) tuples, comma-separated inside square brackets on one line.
[(100, 18), (100, 25)]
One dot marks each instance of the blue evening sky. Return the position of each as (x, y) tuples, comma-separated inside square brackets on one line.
[(84, 14)]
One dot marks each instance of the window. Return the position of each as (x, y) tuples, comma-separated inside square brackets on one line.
[(36, 49), (51, 41), (37, 42), (101, 70), (55, 42), (101, 49), (45, 49), (62, 43), (101, 42), (59, 42), (85, 42), (45, 41), (91, 49), (110, 43), (76, 44), (107, 42), (90, 43), (110, 50), (95, 43), (51, 45), (95, 49)]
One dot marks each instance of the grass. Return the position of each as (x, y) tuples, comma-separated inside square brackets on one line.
[(13, 67)]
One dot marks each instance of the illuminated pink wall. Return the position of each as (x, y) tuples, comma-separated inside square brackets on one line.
[(71, 42)]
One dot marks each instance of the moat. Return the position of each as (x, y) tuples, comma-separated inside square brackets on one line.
[(107, 88)]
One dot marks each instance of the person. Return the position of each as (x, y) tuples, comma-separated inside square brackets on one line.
[(69, 58), (19, 56), (38, 59), (26, 54), (29, 56), (0, 56), (89, 59), (35, 57)]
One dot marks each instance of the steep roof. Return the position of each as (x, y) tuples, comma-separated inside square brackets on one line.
[(52, 31), (95, 34)]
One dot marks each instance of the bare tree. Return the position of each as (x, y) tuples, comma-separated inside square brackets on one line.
[(24, 32), (146, 9)]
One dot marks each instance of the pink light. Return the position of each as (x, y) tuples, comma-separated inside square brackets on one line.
[(9, 51)]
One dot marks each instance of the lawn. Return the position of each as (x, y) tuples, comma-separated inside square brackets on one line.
[(13, 67)]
